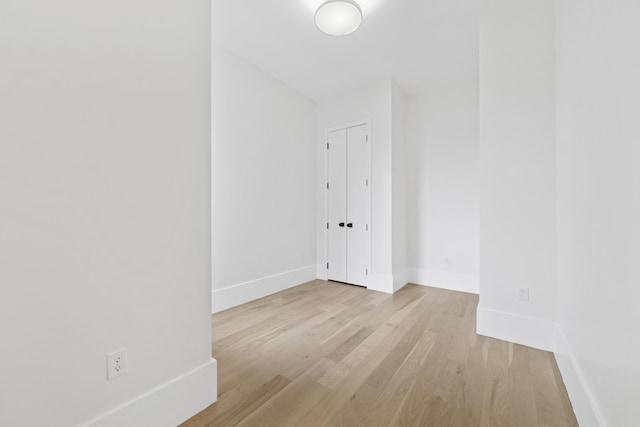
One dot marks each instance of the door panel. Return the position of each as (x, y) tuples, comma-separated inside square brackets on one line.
[(337, 205), (358, 205)]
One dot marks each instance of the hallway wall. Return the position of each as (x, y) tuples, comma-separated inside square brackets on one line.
[(263, 183)]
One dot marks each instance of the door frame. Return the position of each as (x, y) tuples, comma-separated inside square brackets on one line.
[(325, 218)]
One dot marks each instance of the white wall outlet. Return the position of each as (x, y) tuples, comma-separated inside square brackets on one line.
[(523, 295), (116, 364)]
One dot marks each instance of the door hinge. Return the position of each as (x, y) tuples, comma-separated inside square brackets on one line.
[(367, 227), (367, 272), (327, 145), (327, 226), (327, 185), (327, 266), (367, 140), (366, 183)]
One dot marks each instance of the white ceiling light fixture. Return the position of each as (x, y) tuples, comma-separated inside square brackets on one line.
[(338, 17)]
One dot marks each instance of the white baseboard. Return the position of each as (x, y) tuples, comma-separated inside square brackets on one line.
[(584, 403), (169, 404), (400, 280), (451, 280), (322, 272), (529, 331), (231, 296), (380, 282)]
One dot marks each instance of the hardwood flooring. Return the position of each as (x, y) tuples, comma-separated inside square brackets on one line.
[(329, 354)]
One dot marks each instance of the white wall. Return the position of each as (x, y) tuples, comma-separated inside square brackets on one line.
[(598, 88), (372, 103), (104, 211), (263, 181), (517, 171), (442, 131), (399, 186), (424, 184)]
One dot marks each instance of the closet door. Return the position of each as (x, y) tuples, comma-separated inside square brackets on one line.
[(337, 206), (349, 205), (358, 205)]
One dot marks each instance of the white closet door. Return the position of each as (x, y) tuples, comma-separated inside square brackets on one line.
[(337, 206), (358, 205)]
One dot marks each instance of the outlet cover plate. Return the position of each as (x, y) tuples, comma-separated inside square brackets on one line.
[(116, 364)]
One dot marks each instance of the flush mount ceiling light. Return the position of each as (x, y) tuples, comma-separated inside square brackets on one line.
[(338, 17)]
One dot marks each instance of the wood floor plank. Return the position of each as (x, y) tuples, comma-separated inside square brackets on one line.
[(563, 395), (329, 354), (522, 402), (348, 345), (293, 401), (468, 408), (495, 402), (389, 400), (546, 390), (444, 395), (254, 400)]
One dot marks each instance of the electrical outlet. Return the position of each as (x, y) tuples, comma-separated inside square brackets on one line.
[(116, 364), (524, 294)]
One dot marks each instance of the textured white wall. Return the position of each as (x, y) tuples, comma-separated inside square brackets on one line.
[(263, 178), (104, 210), (442, 163), (598, 88)]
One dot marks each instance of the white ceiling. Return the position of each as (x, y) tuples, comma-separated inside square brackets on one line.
[(421, 44)]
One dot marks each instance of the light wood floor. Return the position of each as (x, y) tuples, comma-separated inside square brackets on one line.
[(328, 354)]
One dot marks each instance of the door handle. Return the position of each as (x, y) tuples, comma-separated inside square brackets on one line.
[(350, 225), (341, 224)]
